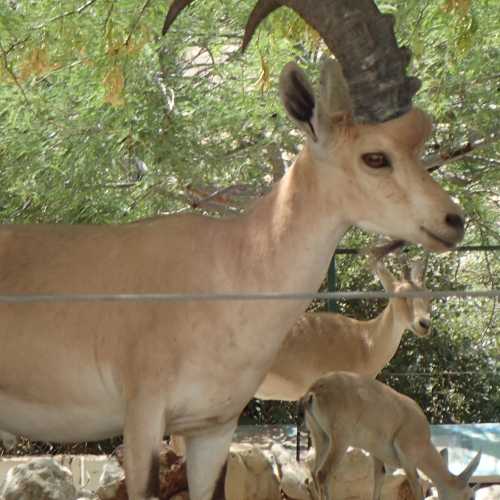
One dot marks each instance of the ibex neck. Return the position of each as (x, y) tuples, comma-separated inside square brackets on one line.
[(385, 334), (293, 231)]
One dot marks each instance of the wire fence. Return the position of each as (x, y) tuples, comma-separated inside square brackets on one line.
[(242, 296), (465, 248), (440, 373)]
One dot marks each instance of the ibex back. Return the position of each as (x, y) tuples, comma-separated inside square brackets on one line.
[(85, 371)]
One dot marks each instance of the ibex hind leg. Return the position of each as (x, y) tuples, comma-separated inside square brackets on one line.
[(330, 465), (410, 469), (378, 477), (206, 457)]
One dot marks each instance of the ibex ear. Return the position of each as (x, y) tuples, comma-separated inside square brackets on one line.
[(334, 98), (466, 474), (297, 96), (384, 275), (417, 272)]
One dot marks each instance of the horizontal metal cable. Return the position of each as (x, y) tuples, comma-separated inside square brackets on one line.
[(239, 296), (466, 248), (436, 374)]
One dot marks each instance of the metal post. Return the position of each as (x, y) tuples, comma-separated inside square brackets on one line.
[(332, 285), (299, 417)]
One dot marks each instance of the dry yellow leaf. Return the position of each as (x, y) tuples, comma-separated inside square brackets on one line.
[(264, 80), (460, 6), (138, 40), (114, 82), (37, 63)]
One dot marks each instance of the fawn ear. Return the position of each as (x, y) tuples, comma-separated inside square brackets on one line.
[(417, 272), (444, 455), (382, 273), (466, 474)]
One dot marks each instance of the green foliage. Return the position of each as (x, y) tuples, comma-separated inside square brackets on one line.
[(90, 92)]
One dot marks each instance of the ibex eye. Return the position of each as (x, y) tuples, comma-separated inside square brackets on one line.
[(376, 160)]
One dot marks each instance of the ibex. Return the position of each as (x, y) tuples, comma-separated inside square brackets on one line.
[(73, 371), (324, 342), (346, 409)]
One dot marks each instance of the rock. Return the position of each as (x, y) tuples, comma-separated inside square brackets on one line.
[(111, 478), (488, 493), (8, 441), (85, 494), (183, 495), (250, 475), (295, 477), (173, 476), (40, 479), (354, 479), (397, 487)]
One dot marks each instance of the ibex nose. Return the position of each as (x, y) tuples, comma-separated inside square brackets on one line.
[(424, 323), (456, 222)]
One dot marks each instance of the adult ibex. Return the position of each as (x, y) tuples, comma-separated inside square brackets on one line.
[(345, 409), (324, 342), (85, 371)]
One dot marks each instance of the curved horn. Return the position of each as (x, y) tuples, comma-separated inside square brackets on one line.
[(174, 10), (404, 262), (466, 474), (261, 10), (363, 40)]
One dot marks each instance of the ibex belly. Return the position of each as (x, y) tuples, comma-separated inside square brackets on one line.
[(59, 405), (59, 424), (66, 372), (55, 384)]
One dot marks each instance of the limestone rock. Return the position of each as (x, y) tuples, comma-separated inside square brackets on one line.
[(40, 479), (173, 477), (397, 487), (111, 478), (489, 493), (354, 479), (183, 495), (295, 477), (85, 494), (8, 441), (250, 475)]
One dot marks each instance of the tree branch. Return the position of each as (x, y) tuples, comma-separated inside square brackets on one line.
[(78, 10), (13, 75), (447, 156), (136, 22), (275, 158), (218, 198)]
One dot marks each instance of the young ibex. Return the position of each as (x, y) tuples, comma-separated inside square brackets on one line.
[(324, 342), (344, 409), (74, 371)]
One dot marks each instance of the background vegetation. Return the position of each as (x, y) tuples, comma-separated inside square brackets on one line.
[(104, 120)]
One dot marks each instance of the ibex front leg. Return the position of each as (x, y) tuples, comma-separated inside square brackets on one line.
[(400, 446), (206, 456), (144, 427)]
